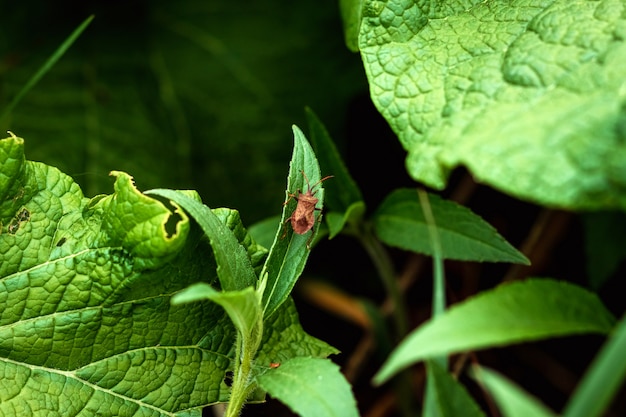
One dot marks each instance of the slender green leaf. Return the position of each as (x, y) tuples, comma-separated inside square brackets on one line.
[(290, 250), (233, 264), (450, 397), (511, 313), (311, 387), (603, 378), (58, 53), (527, 94), (511, 399), (400, 222)]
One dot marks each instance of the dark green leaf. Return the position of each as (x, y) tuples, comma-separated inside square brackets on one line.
[(400, 222), (511, 313)]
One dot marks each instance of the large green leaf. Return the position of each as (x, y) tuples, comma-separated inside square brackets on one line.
[(400, 222), (522, 311), (86, 324), (527, 94)]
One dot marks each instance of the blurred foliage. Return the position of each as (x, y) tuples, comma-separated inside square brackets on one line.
[(187, 94)]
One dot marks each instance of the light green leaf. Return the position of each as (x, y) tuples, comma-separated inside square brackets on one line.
[(603, 378), (450, 397), (290, 250), (511, 313), (511, 399), (233, 264), (529, 95), (243, 306), (400, 222), (311, 387)]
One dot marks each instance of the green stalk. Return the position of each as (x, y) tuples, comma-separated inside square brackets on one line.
[(246, 349), (384, 266), (439, 297)]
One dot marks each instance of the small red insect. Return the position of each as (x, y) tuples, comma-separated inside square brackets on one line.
[(303, 218), (274, 365)]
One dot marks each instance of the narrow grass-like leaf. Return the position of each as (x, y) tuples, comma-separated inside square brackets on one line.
[(450, 399), (233, 264), (311, 387), (604, 377), (400, 222), (522, 311), (58, 53), (511, 399), (290, 250)]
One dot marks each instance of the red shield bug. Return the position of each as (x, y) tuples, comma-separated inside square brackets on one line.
[(274, 365), (303, 217)]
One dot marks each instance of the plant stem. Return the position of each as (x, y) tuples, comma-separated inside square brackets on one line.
[(384, 266), (246, 348)]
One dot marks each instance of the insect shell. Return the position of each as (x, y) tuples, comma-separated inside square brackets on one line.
[(274, 365), (303, 218)]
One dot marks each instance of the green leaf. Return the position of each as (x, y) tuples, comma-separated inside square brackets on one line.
[(603, 378), (451, 398), (233, 264), (310, 387), (511, 313), (527, 94), (400, 222), (511, 399), (290, 250), (86, 323), (280, 330), (243, 307), (264, 231)]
